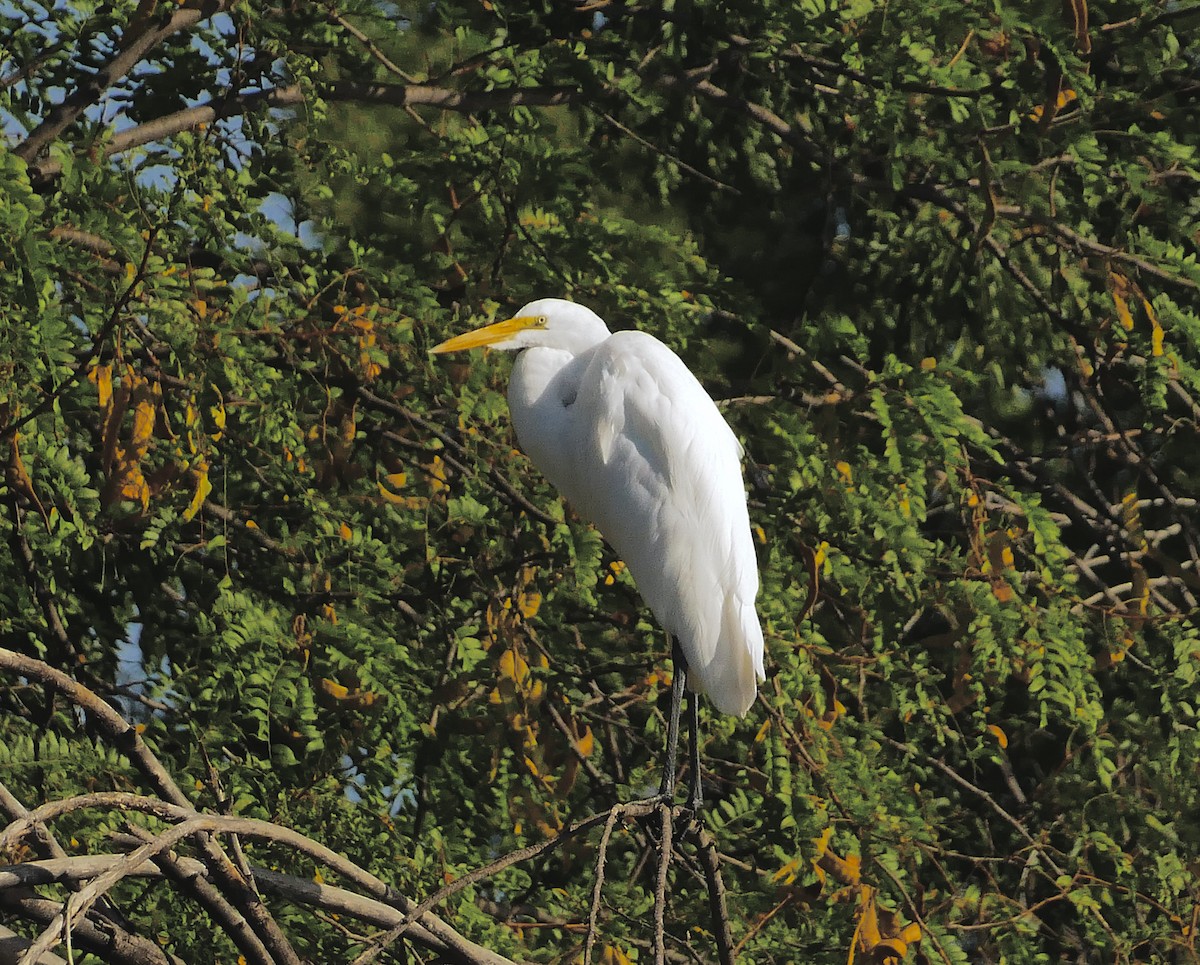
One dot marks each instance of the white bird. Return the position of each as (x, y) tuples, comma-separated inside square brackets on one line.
[(621, 427)]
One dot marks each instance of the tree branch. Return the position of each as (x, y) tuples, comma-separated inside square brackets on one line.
[(127, 740), (711, 863), (395, 95), (431, 932), (141, 37)]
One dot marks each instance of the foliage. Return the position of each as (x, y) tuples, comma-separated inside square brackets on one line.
[(939, 261)]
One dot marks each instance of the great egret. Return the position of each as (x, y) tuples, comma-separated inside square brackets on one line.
[(625, 432)]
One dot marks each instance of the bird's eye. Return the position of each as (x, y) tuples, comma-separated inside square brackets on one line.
[(542, 321)]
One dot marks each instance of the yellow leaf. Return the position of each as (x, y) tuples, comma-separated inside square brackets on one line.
[(1001, 737), (787, 874), (101, 375), (396, 479), (345, 532), (928, 364), (390, 496), (613, 955), (911, 933), (1123, 312), (218, 416), (334, 689), (133, 486), (762, 731), (201, 307), (1156, 333), (143, 426), (203, 488), (821, 845), (868, 923), (1006, 556), (587, 743), (19, 470), (529, 603), (846, 472), (1120, 291), (515, 668), (437, 474)]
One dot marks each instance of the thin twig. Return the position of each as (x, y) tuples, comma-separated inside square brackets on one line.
[(371, 47), (598, 887)]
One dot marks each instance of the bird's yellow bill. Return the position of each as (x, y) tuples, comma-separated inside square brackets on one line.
[(489, 334)]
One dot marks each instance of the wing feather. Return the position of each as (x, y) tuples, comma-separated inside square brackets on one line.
[(658, 470)]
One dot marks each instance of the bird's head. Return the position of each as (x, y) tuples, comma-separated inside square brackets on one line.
[(547, 323)]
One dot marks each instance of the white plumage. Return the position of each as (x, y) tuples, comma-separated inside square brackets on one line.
[(629, 436)]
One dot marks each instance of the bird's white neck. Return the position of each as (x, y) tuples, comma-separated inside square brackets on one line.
[(542, 389)]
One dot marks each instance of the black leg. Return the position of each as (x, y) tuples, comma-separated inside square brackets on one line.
[(678, 681), (696, 800)]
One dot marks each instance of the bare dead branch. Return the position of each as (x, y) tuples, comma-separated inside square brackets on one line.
[(598, 887), (711, 863), (101, 937), (13, 946), (667, 827)]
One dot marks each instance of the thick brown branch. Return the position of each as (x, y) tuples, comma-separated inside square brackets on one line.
[(395, 95)]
